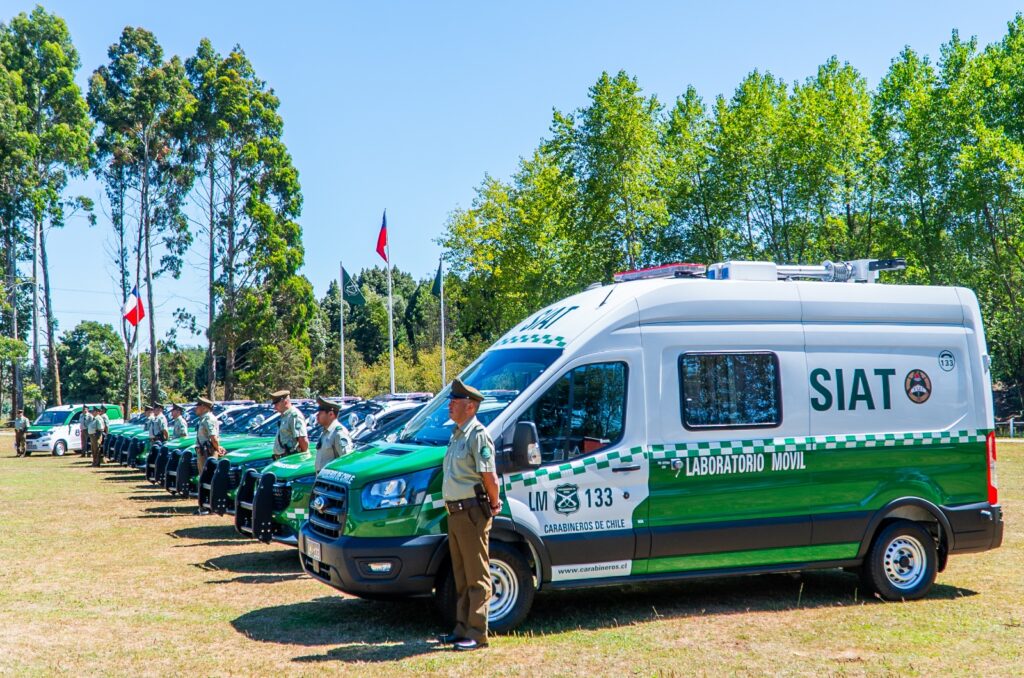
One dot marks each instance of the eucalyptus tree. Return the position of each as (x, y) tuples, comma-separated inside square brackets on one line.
[(144, 103), (38, 49)]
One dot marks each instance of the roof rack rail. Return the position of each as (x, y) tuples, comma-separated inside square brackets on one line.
[(858, 270)]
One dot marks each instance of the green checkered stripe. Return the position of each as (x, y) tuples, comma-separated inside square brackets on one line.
[(434, 501), (573, 468), (296, 515), (546, 339), (813, 443)]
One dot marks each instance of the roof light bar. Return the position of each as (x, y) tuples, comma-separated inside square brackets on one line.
[(677, 270)]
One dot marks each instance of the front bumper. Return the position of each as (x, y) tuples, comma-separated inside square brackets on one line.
[(345, 562), (37, 445), (976, 527)]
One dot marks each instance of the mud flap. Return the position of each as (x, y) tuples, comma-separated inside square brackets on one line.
[(219, 487), (263, 527)]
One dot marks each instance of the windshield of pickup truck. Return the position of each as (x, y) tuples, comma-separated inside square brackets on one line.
[(500, 375), (243, 420)]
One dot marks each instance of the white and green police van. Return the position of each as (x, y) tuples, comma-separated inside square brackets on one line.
[(57, 429), (759, 419)]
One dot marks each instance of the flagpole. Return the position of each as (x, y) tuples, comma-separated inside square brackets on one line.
[(138, 370), (391, 330), (444, 371), (341, 324)]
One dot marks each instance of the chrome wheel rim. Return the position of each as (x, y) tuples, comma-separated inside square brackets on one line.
[(504, 590), (904, 562)]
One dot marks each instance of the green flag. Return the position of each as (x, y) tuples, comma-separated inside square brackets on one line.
[(436, 289), (350, 290)]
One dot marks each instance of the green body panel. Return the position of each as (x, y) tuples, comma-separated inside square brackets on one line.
[(782, 556), (300, 470), (781, 477)]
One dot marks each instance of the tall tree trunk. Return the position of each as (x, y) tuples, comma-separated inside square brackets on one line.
[(211, 365), (52, 362), (12, 299), (37, 371), (147, 227), (230, 348)]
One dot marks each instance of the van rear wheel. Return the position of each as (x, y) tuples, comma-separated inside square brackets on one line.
[(512, 590), (902, 562)]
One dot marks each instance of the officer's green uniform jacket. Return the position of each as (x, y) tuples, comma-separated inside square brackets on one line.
[(21, 424), (334, 442), (106, 422), (86, 418), (207, 428), (293, 427), (157, 426), (179, 427), (470, 453), (97, 425)]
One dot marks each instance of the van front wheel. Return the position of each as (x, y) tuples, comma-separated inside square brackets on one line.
[(902, 562), (60, 448), (512, 590)]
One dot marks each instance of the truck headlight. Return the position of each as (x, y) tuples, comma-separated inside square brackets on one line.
[(407, 490)]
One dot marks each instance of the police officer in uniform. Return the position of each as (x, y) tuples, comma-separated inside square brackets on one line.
[(158, 427), (292, 436), (207, 432), (20, 430), (97, 429), (335, 441), (83, 429), (179, 427), (468, 462)]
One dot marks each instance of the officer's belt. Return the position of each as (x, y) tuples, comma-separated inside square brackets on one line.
[(461, 505)]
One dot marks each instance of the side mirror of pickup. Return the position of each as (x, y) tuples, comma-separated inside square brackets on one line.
[(525, 446)]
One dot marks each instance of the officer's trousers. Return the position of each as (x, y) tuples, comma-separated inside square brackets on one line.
[(19, 443), (468, 534), (96, 445)]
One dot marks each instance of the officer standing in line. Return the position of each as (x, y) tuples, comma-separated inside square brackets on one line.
[(179, 427), (292, 436), (20, 430), (207, 437), (335, 441), (469, 462), (83, 429), (158, 425), (97, 428)]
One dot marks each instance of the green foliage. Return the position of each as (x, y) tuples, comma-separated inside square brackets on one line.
[(92, 355)]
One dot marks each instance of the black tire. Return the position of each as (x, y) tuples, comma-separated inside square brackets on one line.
[(60, 448), (902, 562), (506, 562)]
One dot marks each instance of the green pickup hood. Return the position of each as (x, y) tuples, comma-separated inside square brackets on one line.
[(34, 428), (238, 441), (246, 454), (293, 466), (387, 460)]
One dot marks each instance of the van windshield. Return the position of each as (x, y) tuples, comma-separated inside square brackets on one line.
[(52, 418), (500, 375)]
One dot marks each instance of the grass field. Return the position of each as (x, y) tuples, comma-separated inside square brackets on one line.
[(101, 574)]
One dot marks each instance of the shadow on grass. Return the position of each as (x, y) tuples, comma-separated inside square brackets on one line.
[(269, 561), (365, 631), (260, 579), (385, 631), (166, 511), (133, 477), (207, 532)]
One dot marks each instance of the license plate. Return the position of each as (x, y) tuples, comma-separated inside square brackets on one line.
[(313, 550)]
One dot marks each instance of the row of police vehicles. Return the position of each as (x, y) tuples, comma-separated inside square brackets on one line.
[(683, 421)]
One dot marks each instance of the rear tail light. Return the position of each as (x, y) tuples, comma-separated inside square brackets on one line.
[(990, 453)]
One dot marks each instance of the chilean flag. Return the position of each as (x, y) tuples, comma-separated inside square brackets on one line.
[(133, 311), (382, 238)]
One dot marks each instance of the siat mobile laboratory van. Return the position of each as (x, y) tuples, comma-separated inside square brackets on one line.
[(669, 425)]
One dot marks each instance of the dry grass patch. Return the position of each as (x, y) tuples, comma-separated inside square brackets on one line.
[(105, 575)]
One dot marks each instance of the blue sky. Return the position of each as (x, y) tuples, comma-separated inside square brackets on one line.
[(406, 105)]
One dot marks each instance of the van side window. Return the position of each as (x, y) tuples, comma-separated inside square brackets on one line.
[(581, 413), (730, 390), (75, 419)]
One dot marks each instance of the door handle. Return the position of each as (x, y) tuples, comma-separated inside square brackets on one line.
[(623, 469)]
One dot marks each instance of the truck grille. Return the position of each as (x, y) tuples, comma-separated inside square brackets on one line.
[(32, 435), (328, 508)]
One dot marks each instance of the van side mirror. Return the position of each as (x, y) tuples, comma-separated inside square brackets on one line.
[(525, 445)]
